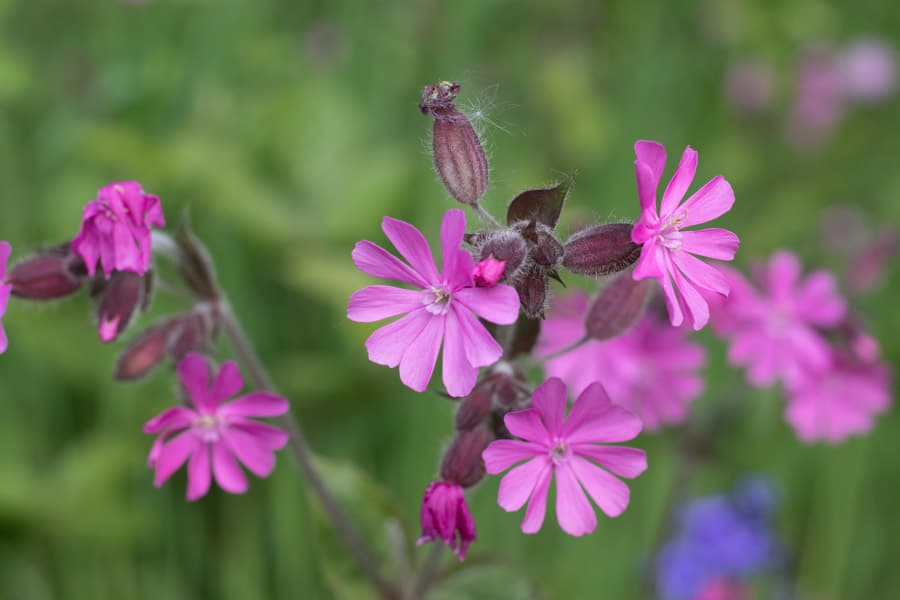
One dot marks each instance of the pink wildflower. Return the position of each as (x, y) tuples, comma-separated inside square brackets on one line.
[(651, 369), (215, 432), (774, 332), (5, 289), (725, 589), (442, 309), (489, 271), (446, 516), (840, 402), (668, 251), (115, 229), (566, 447)]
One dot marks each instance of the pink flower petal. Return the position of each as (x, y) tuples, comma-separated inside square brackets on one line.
[(226, 470), (194, 373), (818, 295), (412, 246), (700, 273), (613, 425), (458, 374), (502, 454), (268, 437), (173, 454), (610, 494), (420, 356), (199, 475), (527, 424), (177, 417), (573, 511), (387, 344), (463, 273), (653, 154), (228, 382), (481, 348), (259, 460), (5, 250), (709, 202), (453, 227), (499, 304), (647, 182), (517, 485), (378, 302), (621, 460), (713, 242), (374, 260), (784, 272), (591, 403), (692, 300), (647, 263), (550, 401), (537, 504), (256, 404), (679, 184)]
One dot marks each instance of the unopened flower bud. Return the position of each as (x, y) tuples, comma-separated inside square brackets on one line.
[(532, 289), (459, 158), (146, 351), (488, 272), (120, 297), (618, 307), (475, 407), (462, 462), (446, 516), (53, 274), (601, 250), (508, 246), (546, 251)]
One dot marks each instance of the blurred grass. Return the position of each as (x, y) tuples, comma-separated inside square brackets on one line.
[(288, 130)]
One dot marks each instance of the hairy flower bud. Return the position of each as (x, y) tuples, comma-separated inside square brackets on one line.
[(119, 298), (532, 289), (462, 462), (618, 307), (546, 251), (459, 158), (601, 250), (506, 245), (53, 274), (475, 407)]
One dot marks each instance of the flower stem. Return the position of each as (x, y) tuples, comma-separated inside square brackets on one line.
[(304, 456), (566, 350), (487, 216), (426, 571)]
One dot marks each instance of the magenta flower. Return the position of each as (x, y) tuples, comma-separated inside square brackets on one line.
[(442, 309), (725, 589), (567, 447), (115, 229), (489, 272), (5, 289), (446, 516), (652, 369), (840, 402), (668, 252), (774, 332), (215, 433)]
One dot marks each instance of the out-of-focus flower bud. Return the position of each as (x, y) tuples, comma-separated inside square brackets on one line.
[(525, 336), (119, 298), (541, 205), (618, 307), (488, 272), (175, 337), (459, 158), (195, 264), (462, 462), (474, 407), (55, 273), (601, 250)]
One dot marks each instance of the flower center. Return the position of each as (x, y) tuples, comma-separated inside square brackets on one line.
[(559, 454), (438, 301), (207, 427), (670, 233)]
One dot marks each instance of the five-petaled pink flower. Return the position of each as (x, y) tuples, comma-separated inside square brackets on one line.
[(5, 289), (569, 448), (668, 251), (115, 229), (446, 516), (213, 433), (443, 309)]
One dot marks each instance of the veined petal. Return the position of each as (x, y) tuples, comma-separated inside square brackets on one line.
[(453, 227), (700, 273), (378, 302), (255, 404), (228, 382), (679, 183), (713, 242), (173, 454), (461, 276), (591, 403), (458, 373), (417, 363), (613, 425), (412, 246), (709, 202), (199, 474), (498, 304), (621, 460), (481, 348), (653, 154), (673, 302), (228, 474), (646, 186), (194, 373), (537, 504), (517, 485), (267, 436), (697, 307), (374, 260), (502, 454), (527, 424), (647, 264), (610, 494), (177, 417), (573, 511), (550, 401), (387, 344), (259, 460)]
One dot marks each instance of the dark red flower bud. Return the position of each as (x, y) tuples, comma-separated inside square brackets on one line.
[(195, 334), (601, 250), (462, 462), (618, 307), (475, 407), (524, 338), (532, 289), (542, 206), (119, 298), (545, 250), (146, 351), (53, 274)]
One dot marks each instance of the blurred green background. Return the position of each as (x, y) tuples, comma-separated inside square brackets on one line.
[(288, 129)]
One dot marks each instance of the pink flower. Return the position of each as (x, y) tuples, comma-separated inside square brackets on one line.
[(651, 369), (868, 69), (489, 271), (446, 516), (442, 309), (668, 251), (566, 447), (115, 229), (841, 402), (5, 289), (774, 332), (212, 432), (725, 589)]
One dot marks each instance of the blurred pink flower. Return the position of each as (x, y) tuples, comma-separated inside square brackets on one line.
[(773, 331), (668, 252), (115, 229), (5, 289), (446, 516), (566, 447), (868, 70), (819, 101), (212, 432), (443, 309), (651, 369), (725, 589), (749, 86), (840, 402)]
